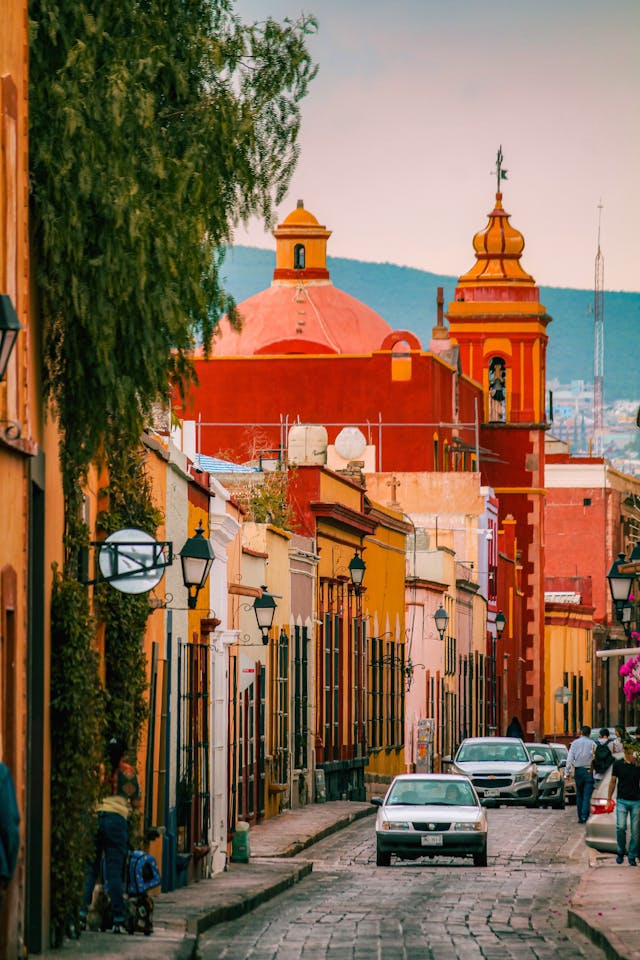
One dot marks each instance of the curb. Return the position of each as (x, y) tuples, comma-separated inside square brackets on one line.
[(297, 846), (608, 943), (197, 925)]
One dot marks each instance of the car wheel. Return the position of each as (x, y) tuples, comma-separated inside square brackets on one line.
[(480, 859), (383, 859)]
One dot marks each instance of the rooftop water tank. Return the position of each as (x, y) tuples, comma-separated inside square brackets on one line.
[(308, 444)]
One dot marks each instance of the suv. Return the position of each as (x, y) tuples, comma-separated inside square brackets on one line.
[(500, 768)]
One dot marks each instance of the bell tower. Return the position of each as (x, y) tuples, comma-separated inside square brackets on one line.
[(499, 324)]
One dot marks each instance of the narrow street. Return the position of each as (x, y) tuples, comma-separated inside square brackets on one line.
[(441, 909)]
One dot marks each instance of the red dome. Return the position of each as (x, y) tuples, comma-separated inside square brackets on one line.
[(309, 318)]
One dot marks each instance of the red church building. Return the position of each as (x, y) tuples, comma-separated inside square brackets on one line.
[(310, 353)]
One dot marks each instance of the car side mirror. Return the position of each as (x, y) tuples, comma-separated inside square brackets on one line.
[(448, 759), (562, 763), (377, 801), (537, 758)]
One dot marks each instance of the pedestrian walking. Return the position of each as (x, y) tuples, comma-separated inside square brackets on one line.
[(515, 729), (580, 758), (626, 775), (9, 829), (112, 837)]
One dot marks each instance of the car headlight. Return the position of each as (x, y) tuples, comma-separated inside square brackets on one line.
[(522, 777), (554, 776), (395, 825), (468, 826)]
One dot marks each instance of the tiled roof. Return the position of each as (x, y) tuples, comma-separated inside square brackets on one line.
[(216, 465)]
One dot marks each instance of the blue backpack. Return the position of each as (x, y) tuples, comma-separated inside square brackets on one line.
[(142, 873)]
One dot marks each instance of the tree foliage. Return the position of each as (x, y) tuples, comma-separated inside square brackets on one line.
[(156, 126)]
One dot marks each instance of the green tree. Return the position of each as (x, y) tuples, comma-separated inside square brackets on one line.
[(156, 126)]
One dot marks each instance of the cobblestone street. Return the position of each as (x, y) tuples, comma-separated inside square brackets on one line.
[(349, 909)]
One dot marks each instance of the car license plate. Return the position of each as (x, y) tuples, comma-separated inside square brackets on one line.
[(492, 793), (432, 840)]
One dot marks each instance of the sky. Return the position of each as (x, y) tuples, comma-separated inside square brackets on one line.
[(413, 98)]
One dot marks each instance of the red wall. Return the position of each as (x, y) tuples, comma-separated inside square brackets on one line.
[(243, 401)]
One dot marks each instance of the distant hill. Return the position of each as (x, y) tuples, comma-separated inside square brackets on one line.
[(406, 298)]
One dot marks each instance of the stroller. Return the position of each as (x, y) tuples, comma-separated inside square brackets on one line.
[(142, 875)]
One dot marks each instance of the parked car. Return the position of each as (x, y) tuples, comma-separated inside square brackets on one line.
[(500, 768), (600, 831), (430, 815), (569, 782), (550, 775)]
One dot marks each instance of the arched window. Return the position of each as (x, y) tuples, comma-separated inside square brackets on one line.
[(298, 257), (497, 390)]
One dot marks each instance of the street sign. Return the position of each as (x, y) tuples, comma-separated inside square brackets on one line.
[(562, 695)]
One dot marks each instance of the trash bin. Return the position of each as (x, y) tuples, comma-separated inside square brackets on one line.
[(240, 851)]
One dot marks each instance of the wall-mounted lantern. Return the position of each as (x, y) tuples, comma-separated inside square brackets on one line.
[(10, 327), (357, 569), (501, 622), (196, 557), (264, 608), (441, 618)]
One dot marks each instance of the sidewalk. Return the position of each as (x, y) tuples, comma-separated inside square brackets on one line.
[(606, 905), (181, 915)]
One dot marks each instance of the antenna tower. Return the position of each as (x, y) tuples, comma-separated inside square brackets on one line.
[(598, 348)]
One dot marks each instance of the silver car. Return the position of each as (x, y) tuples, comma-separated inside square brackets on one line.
[(500, 768), (600, 831), (569, 782), (430, 815), (550, 775)]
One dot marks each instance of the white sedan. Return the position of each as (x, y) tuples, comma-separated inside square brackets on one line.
[(430, 815)]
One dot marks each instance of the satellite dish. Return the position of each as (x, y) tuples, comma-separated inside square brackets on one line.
[(132, 561), (351, 443)]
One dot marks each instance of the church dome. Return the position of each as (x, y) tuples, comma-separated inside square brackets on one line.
[(302, 311), (498, 249)]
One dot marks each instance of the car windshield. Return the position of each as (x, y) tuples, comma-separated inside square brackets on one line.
[(478, 752), (431, 792), (542, 750), (561, 750)]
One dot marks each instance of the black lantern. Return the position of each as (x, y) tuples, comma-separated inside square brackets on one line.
[(441, 618), (196, 556), (10, 327), (501, 622), (620, 585), (357, 569), (264, 608)]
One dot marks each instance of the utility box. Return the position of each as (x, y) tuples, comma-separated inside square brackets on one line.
[(240, 850)]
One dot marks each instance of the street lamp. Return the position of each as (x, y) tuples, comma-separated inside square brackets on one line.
[(264, 608), (501, 622), (10, 327), (620, 585), (196, 557), (357, 568), (441, 618)]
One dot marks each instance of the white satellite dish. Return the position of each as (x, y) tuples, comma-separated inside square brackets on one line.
[(132, 561), (350, 443)]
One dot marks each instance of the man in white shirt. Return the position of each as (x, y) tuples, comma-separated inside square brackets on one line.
[(580, 757)]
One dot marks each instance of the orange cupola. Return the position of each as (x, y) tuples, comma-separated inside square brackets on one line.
[(498, 250), (301, 248)]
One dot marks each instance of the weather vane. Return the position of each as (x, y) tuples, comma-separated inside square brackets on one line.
[(500, 173)]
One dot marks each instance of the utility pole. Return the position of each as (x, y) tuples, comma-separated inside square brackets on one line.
[(598, 349)]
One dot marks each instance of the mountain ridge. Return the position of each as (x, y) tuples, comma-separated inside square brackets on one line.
[(406, 298)]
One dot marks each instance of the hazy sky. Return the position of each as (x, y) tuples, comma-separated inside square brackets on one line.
[(412, 100)]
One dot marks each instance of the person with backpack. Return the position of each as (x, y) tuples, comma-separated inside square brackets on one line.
[(603, 755), (122, 794)]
